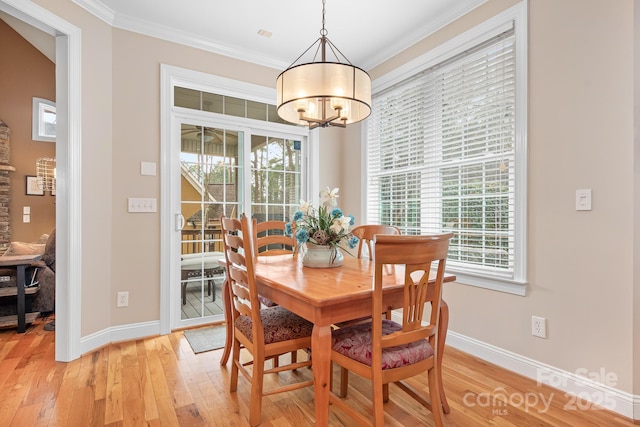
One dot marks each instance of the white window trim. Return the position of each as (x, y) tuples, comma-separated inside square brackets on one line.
[(498, 24)]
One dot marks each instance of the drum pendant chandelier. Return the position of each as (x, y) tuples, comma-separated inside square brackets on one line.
[(323, 93)]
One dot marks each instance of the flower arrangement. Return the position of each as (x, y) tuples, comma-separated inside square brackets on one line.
[(324, 226)]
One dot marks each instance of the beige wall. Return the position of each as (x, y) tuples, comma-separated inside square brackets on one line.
[(580, 136), (136, 138), (25, 73), (581, 264), (96, 166), (636, 199)]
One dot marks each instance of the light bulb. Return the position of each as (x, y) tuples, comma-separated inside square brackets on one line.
[(344, 113), (301, 105), (337, 103)]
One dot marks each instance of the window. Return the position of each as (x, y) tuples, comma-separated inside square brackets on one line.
[(446, 153), (43, 126), (275, 162), (228, 105), (276, 181)]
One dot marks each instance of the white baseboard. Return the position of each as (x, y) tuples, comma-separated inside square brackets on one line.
[(118, 333), (570, 383)]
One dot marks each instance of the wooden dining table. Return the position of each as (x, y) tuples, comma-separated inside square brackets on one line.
[(326, 296)]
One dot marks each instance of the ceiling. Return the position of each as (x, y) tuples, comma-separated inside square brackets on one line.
[(367, 32)]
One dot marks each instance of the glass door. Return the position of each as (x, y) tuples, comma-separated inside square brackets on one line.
[(210, 185), (276, 176)]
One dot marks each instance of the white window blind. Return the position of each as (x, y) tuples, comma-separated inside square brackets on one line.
[(441, 156)]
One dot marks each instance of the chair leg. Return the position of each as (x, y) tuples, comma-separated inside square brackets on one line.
[(235, 361), (211, 288), (184, 293), (434, 394), (377, 399), (255, 407), (344, 381), (385, 392)]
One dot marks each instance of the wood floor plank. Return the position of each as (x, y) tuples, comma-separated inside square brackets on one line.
[(26, 415), (82, 407), (148, 393), (159, 381), (113, 409)]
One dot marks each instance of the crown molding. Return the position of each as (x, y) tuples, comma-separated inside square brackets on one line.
[(98, 9), (455, 11), (147, 28)]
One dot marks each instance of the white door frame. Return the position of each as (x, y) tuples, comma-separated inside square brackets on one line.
[(198, 118), (171, 76), (68, 171)]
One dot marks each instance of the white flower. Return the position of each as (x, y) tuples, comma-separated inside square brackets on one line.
[(341, 224), (330, 197), (304, 206)]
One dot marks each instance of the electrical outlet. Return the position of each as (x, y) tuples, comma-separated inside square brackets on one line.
[(5, 278), (538, 326), (123, 299)]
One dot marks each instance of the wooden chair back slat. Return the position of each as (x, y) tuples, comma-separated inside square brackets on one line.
[(239, 259), (270, 238), (365, 233), (416, 254)]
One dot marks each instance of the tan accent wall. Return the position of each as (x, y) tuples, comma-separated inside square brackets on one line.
[(25, 73)]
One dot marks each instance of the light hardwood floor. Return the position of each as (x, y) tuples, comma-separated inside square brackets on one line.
[(160, 381)]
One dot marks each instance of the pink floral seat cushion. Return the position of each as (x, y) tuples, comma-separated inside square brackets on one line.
[(279, 325), (266, 301), (355, 343)]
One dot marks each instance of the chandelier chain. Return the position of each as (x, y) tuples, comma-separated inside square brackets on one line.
[(323, 31)]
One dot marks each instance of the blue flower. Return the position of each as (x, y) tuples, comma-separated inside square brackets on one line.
[(298, 215), (302, 236), (287, 229), (353, 220), (353, 242), (336, 213)]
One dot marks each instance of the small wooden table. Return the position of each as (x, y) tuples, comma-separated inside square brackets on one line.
[(20, 262), (326, 296)]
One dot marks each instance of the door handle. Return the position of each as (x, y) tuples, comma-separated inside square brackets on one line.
[(179, 222)]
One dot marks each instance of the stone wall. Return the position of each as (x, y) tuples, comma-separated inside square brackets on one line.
[(5, 187)]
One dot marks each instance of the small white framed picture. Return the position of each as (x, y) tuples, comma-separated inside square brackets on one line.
[(32, 187)]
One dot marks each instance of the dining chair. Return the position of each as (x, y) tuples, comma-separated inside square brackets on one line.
[(385, 351), (270, 238), (263, 332), (367, 232)]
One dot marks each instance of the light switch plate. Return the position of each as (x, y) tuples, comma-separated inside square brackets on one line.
[(26, 210), (148, 168), (583, 200), (140, 204)]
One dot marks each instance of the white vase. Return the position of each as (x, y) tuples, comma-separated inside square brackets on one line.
[(321, 256)]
